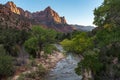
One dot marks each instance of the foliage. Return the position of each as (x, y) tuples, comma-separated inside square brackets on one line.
[(78, 44), (6, 65), (38, 74), (21, 77), (90, 62), (10, 37), (49, 48), (103, 63), (108, 39), (59, 36), (41, 70), (107, 36), (74, 33), (31, 44), (70, 35), (108, 13), (40, 40), (109, 57)]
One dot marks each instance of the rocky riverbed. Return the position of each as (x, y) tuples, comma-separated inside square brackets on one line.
[(64, 69)]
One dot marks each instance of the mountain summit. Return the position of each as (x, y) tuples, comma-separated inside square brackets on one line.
[(49, 16), (13, 7), (55, 15), (18, 10)]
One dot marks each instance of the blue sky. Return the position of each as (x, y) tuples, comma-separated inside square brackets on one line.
[(75, 11)]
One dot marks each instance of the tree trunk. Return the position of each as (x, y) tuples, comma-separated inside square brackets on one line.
[(39, 54), (39, 51)]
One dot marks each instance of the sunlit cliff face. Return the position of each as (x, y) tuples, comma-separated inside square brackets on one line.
[(49, 15), (55, 15), (13, 7), (47, 18)]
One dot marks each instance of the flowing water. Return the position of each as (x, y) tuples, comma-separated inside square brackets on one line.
[(64, 69)]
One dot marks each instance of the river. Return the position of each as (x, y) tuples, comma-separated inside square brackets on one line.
[(64, 69)]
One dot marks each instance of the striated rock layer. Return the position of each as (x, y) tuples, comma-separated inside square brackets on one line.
[(47, 18), (10, 19)]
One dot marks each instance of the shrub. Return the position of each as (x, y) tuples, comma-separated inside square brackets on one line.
[(41, 70), (6, 65), (38, 74)]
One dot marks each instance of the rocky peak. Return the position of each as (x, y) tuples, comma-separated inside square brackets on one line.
[(18, 10), (9, 19), (12, 7), (47, 18), (63, 20), (51, 14), (48, 8)]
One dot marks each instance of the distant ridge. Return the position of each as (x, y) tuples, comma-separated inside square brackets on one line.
[(83, 28), (48, 18)]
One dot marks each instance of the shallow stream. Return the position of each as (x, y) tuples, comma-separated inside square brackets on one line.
[(64, 69)]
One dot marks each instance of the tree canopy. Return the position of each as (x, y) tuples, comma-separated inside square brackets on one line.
[(108, 14), (41, 39), (78, 43)]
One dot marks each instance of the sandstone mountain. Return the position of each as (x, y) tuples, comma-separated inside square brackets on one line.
[(10, 19), (18, 10), (47, 18)]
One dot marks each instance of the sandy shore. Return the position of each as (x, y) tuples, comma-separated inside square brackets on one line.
[(51, 60), (48, 62)]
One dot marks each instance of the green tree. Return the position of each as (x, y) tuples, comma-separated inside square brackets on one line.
[(108, 13), (78, 44), (107, 16), (107, 36), (12, 38), (90, 62), (40, 40)]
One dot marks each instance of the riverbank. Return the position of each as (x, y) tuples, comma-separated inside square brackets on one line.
[(51, 60), (48, 63)]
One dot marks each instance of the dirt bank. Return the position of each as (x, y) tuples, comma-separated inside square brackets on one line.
[(48, 63)]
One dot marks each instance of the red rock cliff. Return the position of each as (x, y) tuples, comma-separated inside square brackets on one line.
[(47, 17)]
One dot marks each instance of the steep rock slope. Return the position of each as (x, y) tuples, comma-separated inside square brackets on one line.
[(47, 18), (10, 19)]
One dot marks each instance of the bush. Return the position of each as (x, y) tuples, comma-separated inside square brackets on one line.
[(6, 66), (38, 74), (41, 70), (21, 77)]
